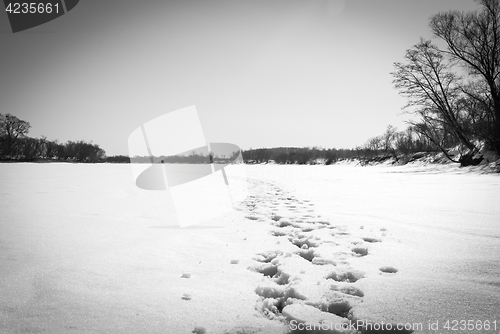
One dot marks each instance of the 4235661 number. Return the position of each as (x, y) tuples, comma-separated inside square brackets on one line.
[(32, 8), (470, 325)]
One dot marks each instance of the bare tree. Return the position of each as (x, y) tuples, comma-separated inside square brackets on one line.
[(50, 148), (473, 40), (388, 139), (404, 141), (30, 149), (434, 92), (374, 145), (11, 129)]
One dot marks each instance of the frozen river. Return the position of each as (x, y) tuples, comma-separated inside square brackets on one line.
[(83, 250)]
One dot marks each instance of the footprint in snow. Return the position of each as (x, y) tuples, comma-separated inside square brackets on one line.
[(199, 330), (389, 270)]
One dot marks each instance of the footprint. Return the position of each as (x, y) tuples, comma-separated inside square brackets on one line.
[(389, 270), (267, 257), (351, 290), (307, 254), (303, 242), (266, 269), (278, 233), (360, 251), (276, 218), (371, 240), (199, 330), (319, 261), (348, 277)]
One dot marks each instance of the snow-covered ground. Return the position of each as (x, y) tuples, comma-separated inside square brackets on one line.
[(82, 250)]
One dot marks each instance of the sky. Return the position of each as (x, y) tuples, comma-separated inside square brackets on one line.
[(260, 73)]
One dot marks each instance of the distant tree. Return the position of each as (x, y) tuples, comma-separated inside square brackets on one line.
[(29, 149), (87, 152), (388, 139), (50, 148), (280, 155), (62, 151), (330, 155), (373, 146), (257, 155), (117, 159), (403, 141), (11, 130), (79, 151)]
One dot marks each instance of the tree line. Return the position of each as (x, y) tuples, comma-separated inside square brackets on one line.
[(297, 155), (397, 143), (193, 158), (16, 145)]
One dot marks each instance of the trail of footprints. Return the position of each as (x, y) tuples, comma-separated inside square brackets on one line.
[(315, 283)]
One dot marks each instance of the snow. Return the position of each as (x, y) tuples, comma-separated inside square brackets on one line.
[(83, 250)]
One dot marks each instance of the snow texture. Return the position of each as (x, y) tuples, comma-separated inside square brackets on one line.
[(85, 251)]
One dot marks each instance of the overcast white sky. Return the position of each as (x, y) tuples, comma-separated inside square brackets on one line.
[(261, 73)]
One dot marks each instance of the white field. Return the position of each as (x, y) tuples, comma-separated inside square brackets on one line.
[(82, 250)]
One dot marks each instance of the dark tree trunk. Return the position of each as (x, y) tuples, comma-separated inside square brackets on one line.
[(469, 160)]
